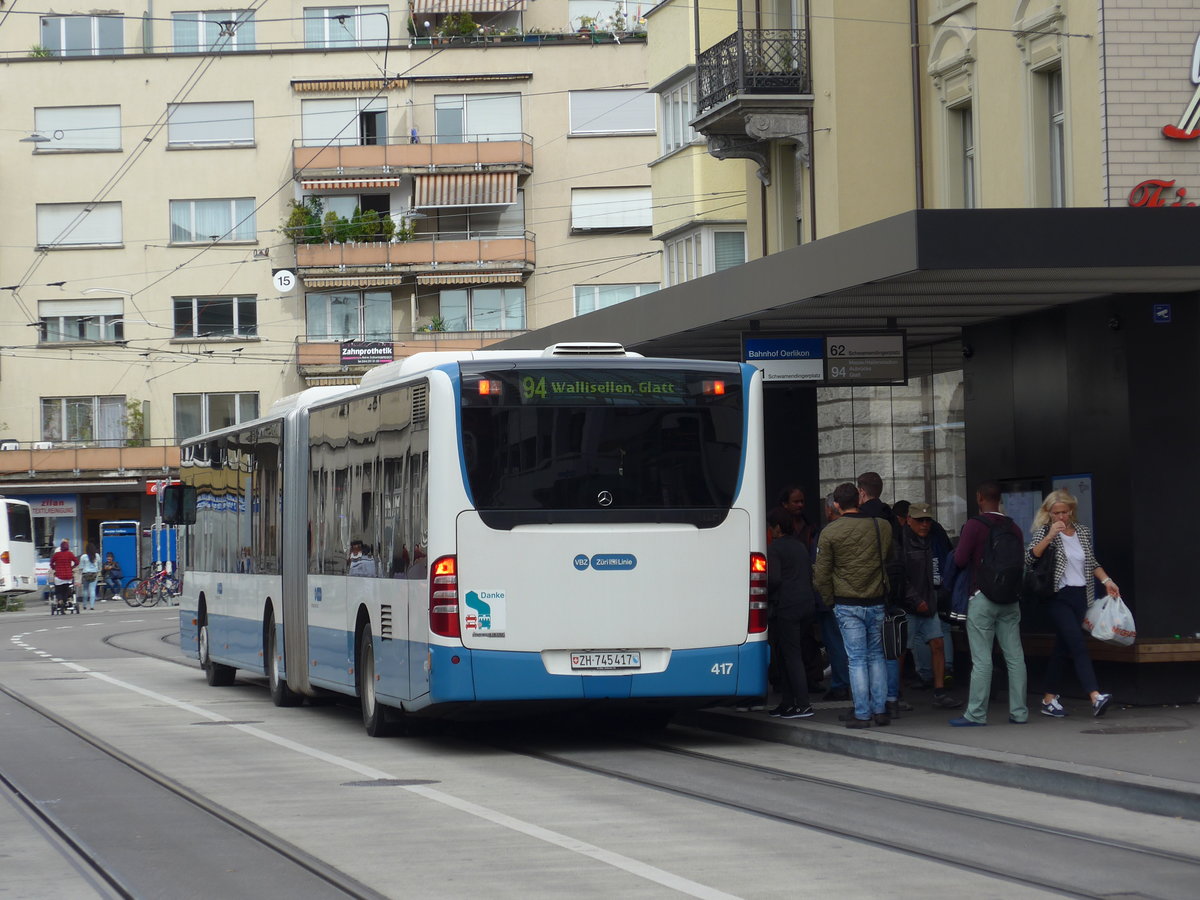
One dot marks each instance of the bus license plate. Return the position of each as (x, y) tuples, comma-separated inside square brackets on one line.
[(612, 659)]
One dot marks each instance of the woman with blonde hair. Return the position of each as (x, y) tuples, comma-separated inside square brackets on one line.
[(1056, 526)]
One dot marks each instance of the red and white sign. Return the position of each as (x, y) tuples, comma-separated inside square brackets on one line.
[(51, 507), (153, 486)]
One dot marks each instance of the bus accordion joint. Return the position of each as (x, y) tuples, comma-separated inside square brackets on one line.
[(443, 598), (758, 594)]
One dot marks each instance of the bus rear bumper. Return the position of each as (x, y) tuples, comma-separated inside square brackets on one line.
[(713, 673)]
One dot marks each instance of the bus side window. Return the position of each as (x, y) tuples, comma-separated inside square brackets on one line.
[(179, 505)]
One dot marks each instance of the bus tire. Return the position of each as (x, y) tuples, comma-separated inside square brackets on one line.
[(374, 713), (215, 673), (281, 694)]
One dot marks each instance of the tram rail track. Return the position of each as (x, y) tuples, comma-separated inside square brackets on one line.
[(336, 881), (909, 825)]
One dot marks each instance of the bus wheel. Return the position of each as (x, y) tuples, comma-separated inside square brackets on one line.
[(374, 714), (281, 694), (218, 675)]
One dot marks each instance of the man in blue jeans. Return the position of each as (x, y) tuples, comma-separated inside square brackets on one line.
[(852, 553), (989, 622)]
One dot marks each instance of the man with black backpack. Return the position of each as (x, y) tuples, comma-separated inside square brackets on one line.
[(991, 548)]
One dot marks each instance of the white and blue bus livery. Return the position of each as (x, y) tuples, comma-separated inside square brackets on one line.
[(466, 532)]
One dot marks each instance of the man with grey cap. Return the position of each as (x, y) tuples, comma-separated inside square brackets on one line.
[(923, 547)]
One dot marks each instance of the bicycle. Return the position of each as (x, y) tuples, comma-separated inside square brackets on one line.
[(157, 587)]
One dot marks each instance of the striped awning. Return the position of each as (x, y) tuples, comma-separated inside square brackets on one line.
[(351, 281), (479, 189), (470, 278), (438, 7), (347, 184)]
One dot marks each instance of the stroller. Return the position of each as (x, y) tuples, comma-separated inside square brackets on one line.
[(63, 600)]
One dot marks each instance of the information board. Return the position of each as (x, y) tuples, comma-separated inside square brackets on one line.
[(829, 360)]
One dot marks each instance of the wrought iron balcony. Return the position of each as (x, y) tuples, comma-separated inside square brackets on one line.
[(767, 61)]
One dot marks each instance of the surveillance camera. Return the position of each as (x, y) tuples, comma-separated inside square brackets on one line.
[(1114, 323)]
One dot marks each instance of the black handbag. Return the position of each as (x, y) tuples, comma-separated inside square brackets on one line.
[(1039, 575)]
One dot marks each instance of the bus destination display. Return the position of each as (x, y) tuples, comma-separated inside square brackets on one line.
[(576, 386)]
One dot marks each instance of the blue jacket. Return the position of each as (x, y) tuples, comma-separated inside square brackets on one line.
[(960, 590)]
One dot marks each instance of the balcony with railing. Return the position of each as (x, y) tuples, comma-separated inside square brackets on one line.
[(425, 254), (74, 459), (463, 154), (752, 70)]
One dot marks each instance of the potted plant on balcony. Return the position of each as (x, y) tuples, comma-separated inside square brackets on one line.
[(303, 223), (457, 27)]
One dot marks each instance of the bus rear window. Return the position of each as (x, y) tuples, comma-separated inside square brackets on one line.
[(599, 444), (20, 523)]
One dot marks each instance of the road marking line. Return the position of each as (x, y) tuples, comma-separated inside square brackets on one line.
[(616, 860)]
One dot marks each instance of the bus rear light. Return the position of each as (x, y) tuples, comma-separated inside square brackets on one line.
[(758, 594), (4, 558), (443, 597)]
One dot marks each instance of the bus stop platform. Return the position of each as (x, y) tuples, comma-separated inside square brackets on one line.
[(1138, 758)]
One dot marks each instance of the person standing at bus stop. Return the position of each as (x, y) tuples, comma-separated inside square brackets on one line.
[(792, 610), (852, 553)]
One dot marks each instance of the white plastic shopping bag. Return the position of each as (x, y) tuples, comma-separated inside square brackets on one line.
[(1109, 619)]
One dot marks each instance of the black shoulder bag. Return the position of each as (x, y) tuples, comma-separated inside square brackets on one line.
[(895, 620), (1039, 575)]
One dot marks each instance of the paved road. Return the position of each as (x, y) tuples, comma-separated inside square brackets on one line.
[(462, 814)]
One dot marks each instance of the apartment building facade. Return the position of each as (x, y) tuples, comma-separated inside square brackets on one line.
[(207, 210)]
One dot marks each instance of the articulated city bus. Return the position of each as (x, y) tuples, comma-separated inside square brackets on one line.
[(470, 533), (18, 559)]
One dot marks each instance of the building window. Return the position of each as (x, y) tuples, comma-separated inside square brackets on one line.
[(344, 122), (213, 30), (349, 316), (609, 209), (345, 26), (205, 317), (465, 223), (211, 124), (83, 35), (729, 249), (78, 224), (91, 420), (198, 413), (78, 128), (607, 15), (80, 320), (468, 118), (1055, 137), (678, 109), (212, 221), (591, 297), (483, 309), (962, 148), (701, 253), (612, 112)]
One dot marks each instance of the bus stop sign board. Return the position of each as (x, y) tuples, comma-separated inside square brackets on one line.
[(830, 360)]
